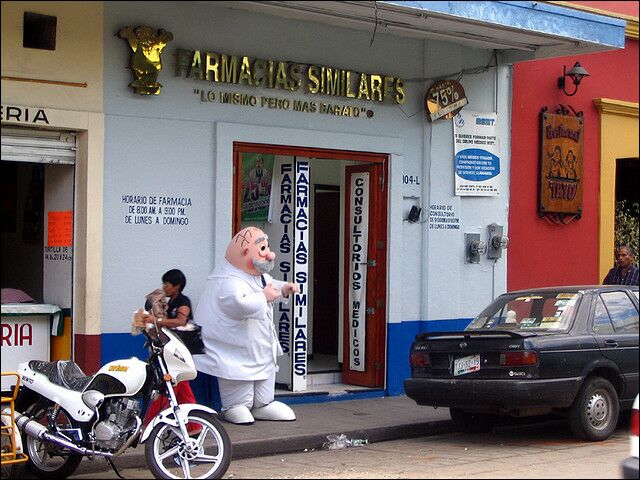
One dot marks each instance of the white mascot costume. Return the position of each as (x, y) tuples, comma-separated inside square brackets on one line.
[(241, 343)]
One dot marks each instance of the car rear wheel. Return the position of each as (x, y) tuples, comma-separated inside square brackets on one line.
[(594, 413), (472, 422)]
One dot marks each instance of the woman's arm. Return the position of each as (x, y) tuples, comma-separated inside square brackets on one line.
[(180, 320)]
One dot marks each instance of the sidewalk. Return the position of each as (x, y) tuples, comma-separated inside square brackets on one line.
[(372, 419)]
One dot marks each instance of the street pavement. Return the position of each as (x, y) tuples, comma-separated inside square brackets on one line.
[(535, 449), (371, 419)]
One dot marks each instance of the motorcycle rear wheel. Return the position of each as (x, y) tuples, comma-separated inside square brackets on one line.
[(47, 460), (168, 454)]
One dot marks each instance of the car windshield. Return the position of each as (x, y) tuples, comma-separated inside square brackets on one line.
[(546, 312)]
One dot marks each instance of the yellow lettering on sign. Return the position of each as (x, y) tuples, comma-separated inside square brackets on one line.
[(229, 67), (118, 368), (245, 72), (314, 85), (376, 88), (212, 66), (363, 91), (291, 76), (195, 68), (400, 97)]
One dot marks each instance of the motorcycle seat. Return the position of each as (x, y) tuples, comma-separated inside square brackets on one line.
[(65, 373)]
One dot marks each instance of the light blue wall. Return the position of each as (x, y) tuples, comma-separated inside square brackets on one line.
[(165, 145)]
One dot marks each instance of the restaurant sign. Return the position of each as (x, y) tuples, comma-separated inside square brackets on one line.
[(561, 166)]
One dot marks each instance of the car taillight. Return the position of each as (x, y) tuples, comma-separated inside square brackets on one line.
[(634, 422), (420, 359), (518, 359)]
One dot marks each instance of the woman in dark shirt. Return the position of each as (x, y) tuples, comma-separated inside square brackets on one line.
[(177, 315)]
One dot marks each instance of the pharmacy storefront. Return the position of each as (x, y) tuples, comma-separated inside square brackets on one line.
[(373, 157)]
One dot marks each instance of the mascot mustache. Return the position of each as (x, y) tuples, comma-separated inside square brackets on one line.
[(264, 266)]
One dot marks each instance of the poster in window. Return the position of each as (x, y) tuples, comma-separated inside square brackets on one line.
[(257, 171)]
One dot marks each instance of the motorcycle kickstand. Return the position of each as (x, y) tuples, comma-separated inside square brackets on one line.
[(110, 462)]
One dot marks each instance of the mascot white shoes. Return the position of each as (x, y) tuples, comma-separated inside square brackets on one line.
[(238, 414), (240, 338), (274, 411)]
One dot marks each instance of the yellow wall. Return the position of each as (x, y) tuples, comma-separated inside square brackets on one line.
[(68, 84), (618, 139), (77, 59), (61, 345)]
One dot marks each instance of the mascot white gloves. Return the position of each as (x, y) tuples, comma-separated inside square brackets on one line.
[(241, 343)]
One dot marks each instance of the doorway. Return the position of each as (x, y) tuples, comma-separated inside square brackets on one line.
[(38, 177), (325, 328), (627, 205), (326, 311)]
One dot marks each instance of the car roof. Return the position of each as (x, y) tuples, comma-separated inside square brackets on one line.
[(575, 288)]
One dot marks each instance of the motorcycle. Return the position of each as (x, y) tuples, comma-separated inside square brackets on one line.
[(66, 415)]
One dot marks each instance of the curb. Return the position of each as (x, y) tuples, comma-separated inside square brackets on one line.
[(134, 458), (314, 441)]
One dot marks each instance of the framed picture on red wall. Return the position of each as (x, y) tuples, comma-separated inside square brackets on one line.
[(561, 166)]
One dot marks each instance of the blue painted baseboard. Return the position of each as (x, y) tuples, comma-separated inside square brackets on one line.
[(116, 346)]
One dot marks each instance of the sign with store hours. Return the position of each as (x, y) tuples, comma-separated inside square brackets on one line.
[(445, 99), (143, 209)]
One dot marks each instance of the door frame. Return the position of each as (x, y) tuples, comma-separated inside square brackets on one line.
[(375, 284), (243, 147), (376, 343)]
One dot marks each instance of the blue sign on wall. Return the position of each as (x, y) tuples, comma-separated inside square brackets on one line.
[(477, 165)]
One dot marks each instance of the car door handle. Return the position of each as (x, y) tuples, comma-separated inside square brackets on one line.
[(611, 343)]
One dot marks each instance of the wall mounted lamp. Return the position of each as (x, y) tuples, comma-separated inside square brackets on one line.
[(577, 73)]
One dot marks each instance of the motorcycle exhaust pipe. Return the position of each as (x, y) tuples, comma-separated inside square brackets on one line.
[(34, 429)]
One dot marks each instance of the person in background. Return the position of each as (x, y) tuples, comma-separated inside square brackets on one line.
[(177, 313), (625, 272)]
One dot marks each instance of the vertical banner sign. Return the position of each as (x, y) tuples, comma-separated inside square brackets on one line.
[(257, 170), (301, 259), (281, 236), (477, 165), (358, 241)]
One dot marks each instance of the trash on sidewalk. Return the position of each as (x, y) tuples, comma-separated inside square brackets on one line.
[(336, 442)]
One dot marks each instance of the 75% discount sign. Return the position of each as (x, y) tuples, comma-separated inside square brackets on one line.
[(445, 99)]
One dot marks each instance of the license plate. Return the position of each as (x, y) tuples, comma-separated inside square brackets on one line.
[(464, 365)]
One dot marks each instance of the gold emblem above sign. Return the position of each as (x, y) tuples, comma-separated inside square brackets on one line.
[(146, 45)]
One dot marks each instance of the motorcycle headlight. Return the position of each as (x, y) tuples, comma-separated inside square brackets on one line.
[(93, 399)]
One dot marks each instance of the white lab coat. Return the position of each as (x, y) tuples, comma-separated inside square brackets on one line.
[(238, 332)]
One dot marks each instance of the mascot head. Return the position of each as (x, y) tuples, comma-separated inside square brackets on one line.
[(249, 251)]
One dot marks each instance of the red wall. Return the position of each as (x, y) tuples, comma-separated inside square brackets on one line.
[(541, 253), (625, 8)]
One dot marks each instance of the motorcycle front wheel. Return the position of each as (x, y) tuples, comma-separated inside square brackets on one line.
[(205, 454), (47, 460)]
